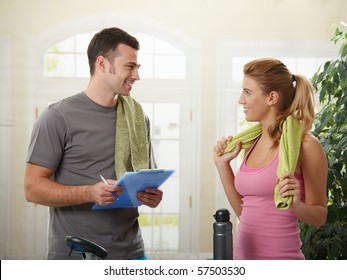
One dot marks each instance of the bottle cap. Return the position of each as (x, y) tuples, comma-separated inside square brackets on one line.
[(222, 215)]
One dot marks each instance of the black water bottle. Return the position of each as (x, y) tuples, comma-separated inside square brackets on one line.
[(222, 236)]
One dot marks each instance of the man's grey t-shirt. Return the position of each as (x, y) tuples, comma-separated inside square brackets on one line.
[(76, 138)]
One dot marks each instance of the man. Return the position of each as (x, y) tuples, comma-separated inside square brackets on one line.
[(87, 135)]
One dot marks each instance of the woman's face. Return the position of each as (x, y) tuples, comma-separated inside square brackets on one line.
[(254, 101)]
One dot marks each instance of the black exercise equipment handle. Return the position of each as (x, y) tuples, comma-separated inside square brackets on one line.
[(85, 246)]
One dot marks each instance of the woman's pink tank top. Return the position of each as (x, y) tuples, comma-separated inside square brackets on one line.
[(264, 232)]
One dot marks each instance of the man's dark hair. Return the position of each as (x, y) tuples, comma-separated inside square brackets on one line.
[(106, 42)]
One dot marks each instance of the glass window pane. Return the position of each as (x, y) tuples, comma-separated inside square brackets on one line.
[(50, 64), (146, 42), (62, 65), (148, 108), (67, 45), (166, 120), (170, 67), (166, 154), (82, 66), (82, 41), (237, 68), (147, 65), (163, 47), (169, 232), (307, 67), (170, 201), (165, 237)]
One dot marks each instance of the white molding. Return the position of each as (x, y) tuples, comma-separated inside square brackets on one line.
[(5, 143), (127, 21)]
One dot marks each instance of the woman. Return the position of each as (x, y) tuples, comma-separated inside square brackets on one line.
[(270, 93)]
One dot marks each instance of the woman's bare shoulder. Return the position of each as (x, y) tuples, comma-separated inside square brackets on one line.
[(310, 141), (311, 147)]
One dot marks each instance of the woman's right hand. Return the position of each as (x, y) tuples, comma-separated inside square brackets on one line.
[(219, 157)]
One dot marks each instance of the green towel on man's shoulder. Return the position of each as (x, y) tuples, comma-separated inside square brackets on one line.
[(289, 150), (132, 143)]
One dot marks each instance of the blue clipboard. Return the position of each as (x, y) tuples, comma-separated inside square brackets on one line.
[(134, 182)]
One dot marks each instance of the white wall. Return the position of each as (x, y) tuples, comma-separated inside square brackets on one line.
[(208, 22)]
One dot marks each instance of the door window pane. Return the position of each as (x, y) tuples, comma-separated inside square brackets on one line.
[(160, 226), (169, 67)]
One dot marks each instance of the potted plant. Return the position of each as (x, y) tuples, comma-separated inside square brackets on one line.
[(330, 127)]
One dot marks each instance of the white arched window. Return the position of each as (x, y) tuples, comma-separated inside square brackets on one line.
[(159, 59)]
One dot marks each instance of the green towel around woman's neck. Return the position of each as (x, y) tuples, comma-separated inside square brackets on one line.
[(131, 148), (289, 149), (246, 137)]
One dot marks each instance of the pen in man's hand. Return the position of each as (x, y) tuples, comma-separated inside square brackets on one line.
[(104, 180)]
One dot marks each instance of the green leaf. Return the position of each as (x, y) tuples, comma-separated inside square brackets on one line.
[(340, 118), (342, 144), (343, 50)]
